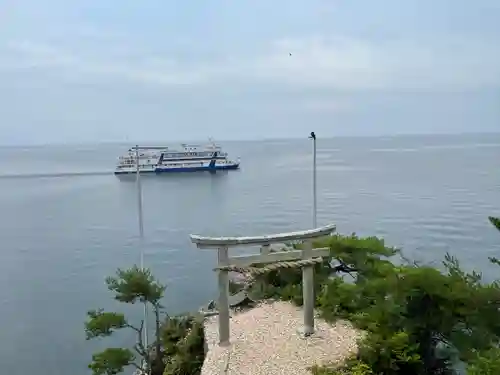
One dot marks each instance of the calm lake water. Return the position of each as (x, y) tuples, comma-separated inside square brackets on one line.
[(68, 222)]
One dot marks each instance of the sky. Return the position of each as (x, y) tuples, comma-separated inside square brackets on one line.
[(101, 70)]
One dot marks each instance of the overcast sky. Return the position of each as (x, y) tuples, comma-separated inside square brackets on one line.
[(101, 70)]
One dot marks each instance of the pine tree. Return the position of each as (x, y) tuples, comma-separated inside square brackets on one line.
[(129, 286)]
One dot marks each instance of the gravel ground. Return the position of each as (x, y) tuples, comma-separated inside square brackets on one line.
[(264, 341)]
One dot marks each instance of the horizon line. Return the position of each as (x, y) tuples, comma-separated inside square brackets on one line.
[(271, 139)]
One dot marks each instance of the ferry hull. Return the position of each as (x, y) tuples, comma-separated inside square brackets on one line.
[(198, 169), (184, 169)]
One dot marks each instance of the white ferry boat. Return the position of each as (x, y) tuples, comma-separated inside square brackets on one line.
[(187, 158)]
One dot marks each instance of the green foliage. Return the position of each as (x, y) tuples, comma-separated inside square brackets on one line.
[(178, 338), (354, 248), (129, 286), (406, 311), (417, 318), (390, 353), (173, 331), (351, 367), (495, 221), (366, 254), (102, 323), (358, 368), (134, 285), (186, 346), (338, 299), (485, 363), (111, 361)]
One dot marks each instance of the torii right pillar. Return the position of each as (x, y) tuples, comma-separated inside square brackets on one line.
[(308, 291)]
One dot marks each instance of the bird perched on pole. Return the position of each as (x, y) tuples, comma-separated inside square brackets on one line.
[(313, 137)]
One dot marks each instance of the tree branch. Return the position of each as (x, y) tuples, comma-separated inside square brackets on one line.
[(159, 354), (140, 350), (139, 347), (138, 330), (343, 267)]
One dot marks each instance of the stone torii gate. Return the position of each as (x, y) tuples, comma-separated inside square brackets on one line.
[(305, 258)]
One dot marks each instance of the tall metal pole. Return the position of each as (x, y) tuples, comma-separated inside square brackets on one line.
[(141, 236), (139, 200), (313, 137)]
